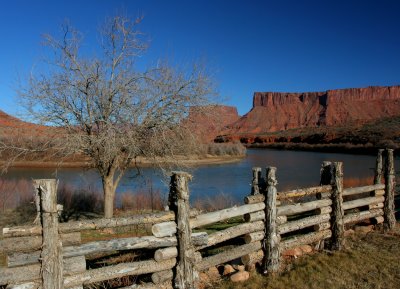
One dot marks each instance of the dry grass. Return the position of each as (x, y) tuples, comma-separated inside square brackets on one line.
[(142, 201), (13, 193), (369, 261), (216, 202)]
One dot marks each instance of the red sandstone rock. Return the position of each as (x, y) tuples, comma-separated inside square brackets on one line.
[(348, 232), (276, 111), (240, 276), (295, 252), (228, 269), (306, 249), (213, 273), (9, 123), (208, 121), (240, 268), (364, 229), (250, 267)]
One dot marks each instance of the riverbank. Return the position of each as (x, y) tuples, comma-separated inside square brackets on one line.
[(141, 162), (356, 149)]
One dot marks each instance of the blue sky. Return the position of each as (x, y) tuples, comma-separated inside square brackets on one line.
[(249, 45)]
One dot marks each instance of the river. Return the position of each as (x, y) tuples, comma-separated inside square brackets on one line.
[(295, 169)]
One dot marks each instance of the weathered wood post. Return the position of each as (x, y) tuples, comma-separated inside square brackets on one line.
[(337, 224), (388, 209), (255, 189), (185, 276), (51, 256), (271, 260), (377, 180), (325, 179), (378, 168), (325, 175)]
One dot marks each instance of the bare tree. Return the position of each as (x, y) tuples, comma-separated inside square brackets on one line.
[(108, 110)]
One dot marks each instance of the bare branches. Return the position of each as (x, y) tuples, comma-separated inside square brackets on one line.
[(109, 111)]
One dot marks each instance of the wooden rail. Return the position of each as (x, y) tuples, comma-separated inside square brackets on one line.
[(360, 190), (304, 192)]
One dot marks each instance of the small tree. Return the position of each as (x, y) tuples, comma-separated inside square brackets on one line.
[(106, 109)]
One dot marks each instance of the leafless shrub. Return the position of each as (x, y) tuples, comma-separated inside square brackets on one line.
[(14, 192), (104, 108), (141, 201), (25, 212), (226, 149), (79, 203)]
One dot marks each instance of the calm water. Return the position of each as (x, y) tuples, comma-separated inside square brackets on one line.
[(295, 169)]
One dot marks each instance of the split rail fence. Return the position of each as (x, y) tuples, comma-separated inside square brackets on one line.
[(51, 255)]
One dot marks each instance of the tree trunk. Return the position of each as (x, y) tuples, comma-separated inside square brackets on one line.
[(109, 195)]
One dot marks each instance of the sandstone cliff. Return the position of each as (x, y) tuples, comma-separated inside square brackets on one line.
[(276, 111), (208, 121), (10, 125)]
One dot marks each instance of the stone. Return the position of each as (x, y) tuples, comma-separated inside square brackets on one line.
[(348, 232), (250, 267), (240, 276), (228, 269), (306, 249), (364, 229), (204, 277), (107, 231), (295, 252), (241, 268), (213, 274)]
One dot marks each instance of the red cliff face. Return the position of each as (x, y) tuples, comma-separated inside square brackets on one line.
[(276, 111), (9, 124), (208, 121), (360, 105)]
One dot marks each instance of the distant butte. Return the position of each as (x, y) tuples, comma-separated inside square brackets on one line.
[(280, 111)]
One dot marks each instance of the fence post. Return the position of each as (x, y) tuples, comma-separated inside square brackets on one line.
[(337, 225), (388, 209), (51, 255), (271, 260), (325, 179), (255, 189), (185, 276), (378, 168), (325, 175)]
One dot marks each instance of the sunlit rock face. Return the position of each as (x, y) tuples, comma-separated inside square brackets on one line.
[(209, 121), (276, 111)]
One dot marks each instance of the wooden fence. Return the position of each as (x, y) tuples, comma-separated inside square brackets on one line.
[(51, 254)]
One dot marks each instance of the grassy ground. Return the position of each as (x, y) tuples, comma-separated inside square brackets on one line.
[(369, 261)]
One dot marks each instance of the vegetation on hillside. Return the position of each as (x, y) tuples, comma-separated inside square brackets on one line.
[(354, 138)]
